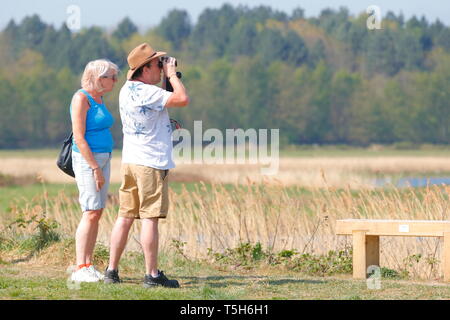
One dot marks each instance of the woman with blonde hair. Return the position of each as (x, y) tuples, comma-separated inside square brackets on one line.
[(91, 157)]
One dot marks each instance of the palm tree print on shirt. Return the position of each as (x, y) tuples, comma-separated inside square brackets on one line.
[(143, 109), (138, 128), (134, 90)]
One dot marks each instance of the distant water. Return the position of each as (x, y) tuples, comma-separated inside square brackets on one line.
[(415, 182)]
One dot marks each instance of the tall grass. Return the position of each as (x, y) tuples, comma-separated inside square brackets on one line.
[(279, 217)]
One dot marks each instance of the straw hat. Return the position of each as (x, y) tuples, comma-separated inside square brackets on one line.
[(141, 55)]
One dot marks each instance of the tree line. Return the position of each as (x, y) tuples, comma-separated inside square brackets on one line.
[(320, 80)]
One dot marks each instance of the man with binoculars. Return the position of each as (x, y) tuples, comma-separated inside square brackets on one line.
[(146, 157)]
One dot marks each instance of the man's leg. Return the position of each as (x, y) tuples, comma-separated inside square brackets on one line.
[(149, 243), (119, 237)]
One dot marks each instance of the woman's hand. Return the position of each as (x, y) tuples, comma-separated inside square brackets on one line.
[(99, 178)]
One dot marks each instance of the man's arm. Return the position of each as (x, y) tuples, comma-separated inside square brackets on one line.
[(179, 97)]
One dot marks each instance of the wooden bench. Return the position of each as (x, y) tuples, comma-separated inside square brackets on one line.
[(366, 239)]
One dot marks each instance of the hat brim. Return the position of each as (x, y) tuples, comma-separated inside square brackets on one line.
[(157, 55)]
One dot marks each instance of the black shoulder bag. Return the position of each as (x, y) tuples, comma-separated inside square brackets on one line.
[(64, 161)]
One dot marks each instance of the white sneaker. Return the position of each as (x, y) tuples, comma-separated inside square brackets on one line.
[(84, 275), (97, 273)]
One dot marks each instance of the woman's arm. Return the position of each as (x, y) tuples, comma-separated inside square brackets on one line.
[(80, 106)]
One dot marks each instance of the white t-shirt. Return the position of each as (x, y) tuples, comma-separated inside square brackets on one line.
[(147, 134)]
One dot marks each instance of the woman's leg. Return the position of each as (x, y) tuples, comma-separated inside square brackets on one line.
[(87, 231), (93, 239), (86, 236)]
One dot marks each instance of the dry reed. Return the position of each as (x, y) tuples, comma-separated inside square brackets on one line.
[(278, 217), (357, 172)]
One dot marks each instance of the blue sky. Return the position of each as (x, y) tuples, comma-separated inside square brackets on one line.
[(146, 13)]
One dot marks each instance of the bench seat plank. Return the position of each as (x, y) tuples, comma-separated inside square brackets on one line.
[(413, 228)]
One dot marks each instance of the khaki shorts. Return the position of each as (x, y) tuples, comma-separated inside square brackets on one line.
[(144, 192)]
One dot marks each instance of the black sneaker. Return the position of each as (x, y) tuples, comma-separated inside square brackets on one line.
[(112, 276), (160, 280)]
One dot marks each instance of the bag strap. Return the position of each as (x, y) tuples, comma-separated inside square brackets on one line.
[(69, 138), (90, 104), (90, 99)]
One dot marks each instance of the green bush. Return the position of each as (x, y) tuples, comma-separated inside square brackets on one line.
[(101, 254), (390, 273), (247, 255), (244, 255), (334, 262), (46, 234)]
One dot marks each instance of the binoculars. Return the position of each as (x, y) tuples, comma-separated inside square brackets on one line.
[(162, 60), (179, 75), (168, 85)]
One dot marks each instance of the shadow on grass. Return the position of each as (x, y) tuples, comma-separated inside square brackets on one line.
[(25, 259), (215, 281), (265, 279), (227, 281)]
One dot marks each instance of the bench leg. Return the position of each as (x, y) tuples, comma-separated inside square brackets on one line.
[(366, 252), (446, 257)]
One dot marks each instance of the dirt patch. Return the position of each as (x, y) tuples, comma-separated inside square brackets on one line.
[(26, 270)]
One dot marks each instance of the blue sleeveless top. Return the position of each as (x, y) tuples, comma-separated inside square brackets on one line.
[(98, 122)]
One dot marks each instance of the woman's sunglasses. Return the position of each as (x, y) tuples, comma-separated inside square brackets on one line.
[(113, 77)]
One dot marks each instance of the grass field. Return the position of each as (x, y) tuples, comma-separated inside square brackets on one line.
[(204, 282), (256, 239)]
